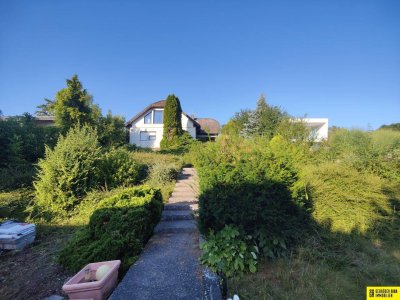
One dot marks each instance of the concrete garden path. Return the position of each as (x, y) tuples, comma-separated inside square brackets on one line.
[(168, 267)]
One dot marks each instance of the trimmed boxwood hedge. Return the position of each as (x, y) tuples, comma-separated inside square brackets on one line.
[(118, 229)]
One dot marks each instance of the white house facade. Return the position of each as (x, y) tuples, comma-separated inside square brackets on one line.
[(146, 128), (319, 128)]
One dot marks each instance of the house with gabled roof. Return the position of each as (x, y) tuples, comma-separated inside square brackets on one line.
[(146, 128)]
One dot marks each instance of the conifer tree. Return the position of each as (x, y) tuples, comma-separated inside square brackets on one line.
[(172, 122), (74, 105)]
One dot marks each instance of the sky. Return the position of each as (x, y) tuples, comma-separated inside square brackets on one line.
[(330, 59)]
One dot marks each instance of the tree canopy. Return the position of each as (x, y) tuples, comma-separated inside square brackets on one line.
[(263, 121), (73, 105), (393, 126)]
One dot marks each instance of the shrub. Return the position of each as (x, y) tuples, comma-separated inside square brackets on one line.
[(161, 172), (118, 229), (386, 146), (375, 152), (22, 140), (14, 204), (67, 172), (117, 168), (150, 158), (178, 144), (251, 183), (22, 143), (345, 200), (16, 175), (112, 131), (228, 253)]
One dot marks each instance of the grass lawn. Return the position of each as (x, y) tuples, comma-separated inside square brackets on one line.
[(327, 266)]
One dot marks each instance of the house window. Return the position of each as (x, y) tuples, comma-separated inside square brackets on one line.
[(158, 117), (147, 135), (147, 118)]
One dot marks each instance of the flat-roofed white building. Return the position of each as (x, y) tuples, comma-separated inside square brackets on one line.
[(318, 127)]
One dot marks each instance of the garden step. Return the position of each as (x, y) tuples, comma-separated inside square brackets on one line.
[(184, 183), (182, 200), (185, 189), (182, 206), (176, 206), (188, 194), (186, 177), (180, 226), (170, 215)]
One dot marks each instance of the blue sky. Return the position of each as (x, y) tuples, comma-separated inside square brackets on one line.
[(335, 59)]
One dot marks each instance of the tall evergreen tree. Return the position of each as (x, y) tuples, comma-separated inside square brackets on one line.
[(74, 105), (252, 126), (172, 122)]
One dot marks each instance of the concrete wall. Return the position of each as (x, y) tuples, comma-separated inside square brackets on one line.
[(155, 130)]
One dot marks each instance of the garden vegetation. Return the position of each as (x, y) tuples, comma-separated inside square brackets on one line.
[(284, 217), (80, 181), (327, 208)]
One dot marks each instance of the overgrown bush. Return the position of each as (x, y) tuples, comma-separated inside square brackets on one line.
[(178, 144), (117, 168), (345, 200), (118, 229), (68, 172), (376, 152), (13, 205), (253, 184), (22, 140), (17, 175), (162, 172), (22, 143), (150, 157)]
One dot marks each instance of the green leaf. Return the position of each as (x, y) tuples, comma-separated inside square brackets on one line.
[(252, 268)]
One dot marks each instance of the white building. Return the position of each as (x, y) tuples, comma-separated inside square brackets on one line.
[(146, 128), (318, 127)]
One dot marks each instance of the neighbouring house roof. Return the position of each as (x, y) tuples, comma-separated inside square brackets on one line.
[(158, 104), (37, 119), (45, 118), (208, 126)]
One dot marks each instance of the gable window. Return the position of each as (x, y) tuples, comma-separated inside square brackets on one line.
[(147, 135), (147, 118), (158, 117)]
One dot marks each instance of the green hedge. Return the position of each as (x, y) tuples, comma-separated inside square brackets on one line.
[(118, 229), (253, 185)]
